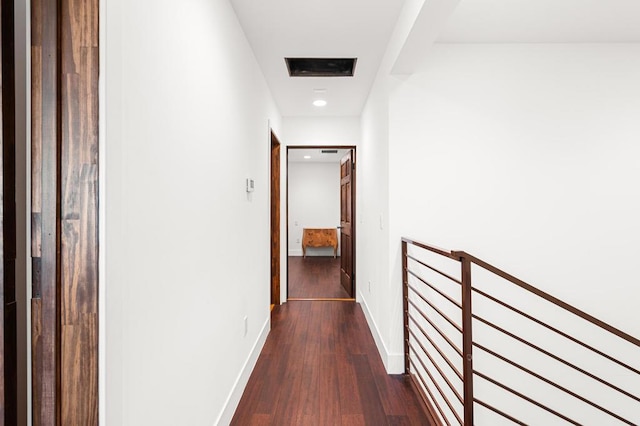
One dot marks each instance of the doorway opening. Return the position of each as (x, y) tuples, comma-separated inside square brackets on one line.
[(320, 223)]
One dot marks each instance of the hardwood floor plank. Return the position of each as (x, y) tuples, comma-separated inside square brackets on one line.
[(353, 420), (368, 391), (329, 399), (315, 277), (260, 420), (311, 373), (289, 406), (320, 366)]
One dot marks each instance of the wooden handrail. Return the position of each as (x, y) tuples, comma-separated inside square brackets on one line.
[(468, 317)]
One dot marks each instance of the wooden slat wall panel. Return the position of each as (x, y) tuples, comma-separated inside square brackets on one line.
[(64, 209)]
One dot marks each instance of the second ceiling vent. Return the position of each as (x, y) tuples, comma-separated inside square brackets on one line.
[(321, 67)]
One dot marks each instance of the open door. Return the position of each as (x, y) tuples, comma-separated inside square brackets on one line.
[(347, 180)]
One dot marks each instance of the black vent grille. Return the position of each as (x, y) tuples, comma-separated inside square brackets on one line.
[(321, 67), (329, 151)]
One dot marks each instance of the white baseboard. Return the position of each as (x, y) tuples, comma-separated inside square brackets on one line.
[(243, 378), (393, 362)]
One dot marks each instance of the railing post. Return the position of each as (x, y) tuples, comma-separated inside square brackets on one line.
[(467, 342), (405, 307)]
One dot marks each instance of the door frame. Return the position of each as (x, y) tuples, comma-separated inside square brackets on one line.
[(274, 215), (8, 290), (353, 148)]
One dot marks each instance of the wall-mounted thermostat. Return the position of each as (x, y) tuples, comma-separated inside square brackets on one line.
[(250, 185)]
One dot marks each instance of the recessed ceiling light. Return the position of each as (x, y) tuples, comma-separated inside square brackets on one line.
[(319, 102), (307, 157)]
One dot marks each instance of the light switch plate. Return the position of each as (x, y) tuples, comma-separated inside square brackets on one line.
[(250, 185)]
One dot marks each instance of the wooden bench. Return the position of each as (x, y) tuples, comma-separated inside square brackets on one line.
[(319, 237)]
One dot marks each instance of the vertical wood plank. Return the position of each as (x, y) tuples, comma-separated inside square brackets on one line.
[(36, 359), (44, 132), (78, 211), (45, 129)]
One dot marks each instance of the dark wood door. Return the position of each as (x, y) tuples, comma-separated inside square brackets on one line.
[(346, 223)]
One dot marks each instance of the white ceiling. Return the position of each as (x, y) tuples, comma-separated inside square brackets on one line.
[(318, 28), (543, 21), (361, 28)]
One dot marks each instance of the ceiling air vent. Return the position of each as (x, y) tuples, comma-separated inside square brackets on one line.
[(329, 151), (321, 67)]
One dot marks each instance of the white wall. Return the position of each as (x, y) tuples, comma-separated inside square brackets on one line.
[(314, 202), (538, 148), (187, 120), (321, 131), (378, 292), (524, 155)]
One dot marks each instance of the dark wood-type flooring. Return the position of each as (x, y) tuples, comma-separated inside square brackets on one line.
[(315, 277), (320, 366)]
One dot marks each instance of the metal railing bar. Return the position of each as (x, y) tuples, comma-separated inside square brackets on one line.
[(440, 251), (526, 398), (442, 314), (440, 332), (455, 280), (555, 330), (502, 413), (416, 339), (557, 386), (548, 297), (438, 388), (426, 352), (433, 399), (437, 348), (434, 288), (557, 358)]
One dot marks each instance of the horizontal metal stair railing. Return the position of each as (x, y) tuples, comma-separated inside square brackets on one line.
[(440, 346)]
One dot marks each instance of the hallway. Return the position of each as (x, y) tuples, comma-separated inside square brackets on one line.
[(320, 366)]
